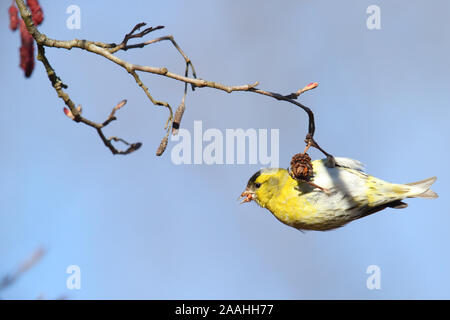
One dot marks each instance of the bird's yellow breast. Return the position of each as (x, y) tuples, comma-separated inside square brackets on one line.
[(286, 201)]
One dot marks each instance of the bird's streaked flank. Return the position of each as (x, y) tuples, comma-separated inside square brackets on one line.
[(347, 193)]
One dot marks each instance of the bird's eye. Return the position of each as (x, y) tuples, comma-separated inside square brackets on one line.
[(257, 185)]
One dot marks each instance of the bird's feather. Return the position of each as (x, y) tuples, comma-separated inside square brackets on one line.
[(349, 163)]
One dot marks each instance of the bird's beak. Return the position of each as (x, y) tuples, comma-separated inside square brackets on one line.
[(247, 195)]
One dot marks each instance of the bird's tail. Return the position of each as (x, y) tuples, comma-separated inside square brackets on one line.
[(421, 189)]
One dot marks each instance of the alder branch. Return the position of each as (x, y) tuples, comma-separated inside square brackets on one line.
[(173, 122), (74, 113)]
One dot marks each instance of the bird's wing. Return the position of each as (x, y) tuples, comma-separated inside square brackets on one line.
[(349, 163), (346, 179)]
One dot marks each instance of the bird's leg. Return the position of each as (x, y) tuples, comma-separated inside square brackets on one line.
[(312, 184), (308, 145)]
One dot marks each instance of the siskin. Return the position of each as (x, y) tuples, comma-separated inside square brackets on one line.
[(335, 195)]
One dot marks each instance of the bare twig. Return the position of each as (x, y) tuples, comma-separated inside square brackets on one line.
[(132, 146), (74, 113), (112, 116), (107, 51), (310, 86)]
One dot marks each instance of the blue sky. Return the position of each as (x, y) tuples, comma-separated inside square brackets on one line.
[(141, 227)]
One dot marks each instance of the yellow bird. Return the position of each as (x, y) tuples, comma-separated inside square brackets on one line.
[(337, 195)]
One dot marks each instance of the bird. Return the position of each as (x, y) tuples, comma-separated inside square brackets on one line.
[(335, 195)]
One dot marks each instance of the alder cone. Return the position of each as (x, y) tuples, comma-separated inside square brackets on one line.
[(162, 146), (301, 167)]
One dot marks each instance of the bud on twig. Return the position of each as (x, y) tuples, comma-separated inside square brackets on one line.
[(68, 113), (310, 86)]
